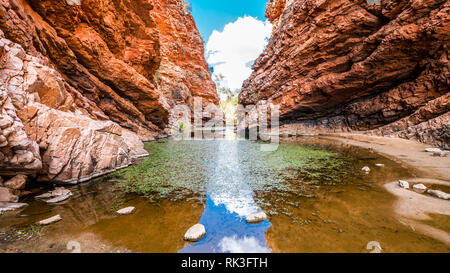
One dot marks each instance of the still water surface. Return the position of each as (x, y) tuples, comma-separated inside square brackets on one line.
[(313, 190)]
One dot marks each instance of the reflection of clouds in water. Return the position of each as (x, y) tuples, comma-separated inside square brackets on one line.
[(243, 245), (228, 185)]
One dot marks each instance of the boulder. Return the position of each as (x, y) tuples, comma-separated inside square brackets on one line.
[(439, 194), (126, 211), (50, 220), (403, 184), (420, 188), (7, 195), (18, 182), (256, 218), (195, 233), (366, 169)]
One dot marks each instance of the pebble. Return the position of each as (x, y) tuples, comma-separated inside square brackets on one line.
[(256, 218), (403, 184), (195, 233), (50, 220), (439, 194), (126, 211), (420, 188)]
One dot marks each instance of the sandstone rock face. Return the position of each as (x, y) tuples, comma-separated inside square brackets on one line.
[(79, 87), (183, 72), (339, 65)]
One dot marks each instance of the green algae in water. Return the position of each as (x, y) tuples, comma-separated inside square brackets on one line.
[(177, 169)]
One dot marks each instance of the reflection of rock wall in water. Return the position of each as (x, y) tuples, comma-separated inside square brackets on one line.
[(81, 83), (339, 65)]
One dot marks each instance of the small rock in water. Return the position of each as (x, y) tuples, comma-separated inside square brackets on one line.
[(50, 220), (126, 211), (433, 150), (256, 218), (59, 199), (56, 196), (379, 165), (195, 233), (420, 188), (366, 169), (4, 206), (439, 194), (403, 184)]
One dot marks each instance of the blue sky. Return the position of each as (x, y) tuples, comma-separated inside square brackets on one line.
[(212, 15)]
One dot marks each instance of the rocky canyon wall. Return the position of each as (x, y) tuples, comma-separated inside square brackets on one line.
[(342, 66), (82, 83)]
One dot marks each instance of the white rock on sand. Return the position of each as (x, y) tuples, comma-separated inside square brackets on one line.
[(195, 233), (50, 220), (420, 188), (403, 184), (433, 150), (439, 194), (126, 211), (256, 218), (366, 169)]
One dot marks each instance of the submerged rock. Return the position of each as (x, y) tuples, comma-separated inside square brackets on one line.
[(126, 211), (403, 184), (18, 182), (439, 194), (420, 188), (380, 165), (366, 169), (50, 220), (195, 233), (5, 206), (256, 218)]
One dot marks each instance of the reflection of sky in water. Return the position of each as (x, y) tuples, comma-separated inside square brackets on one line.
[(229, 201), (227, 232)]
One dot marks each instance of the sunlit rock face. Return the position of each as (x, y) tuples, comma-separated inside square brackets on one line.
[(80, 83), (336, 65)]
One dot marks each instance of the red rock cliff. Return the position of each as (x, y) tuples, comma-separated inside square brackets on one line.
[(341, 65), (81, 82)]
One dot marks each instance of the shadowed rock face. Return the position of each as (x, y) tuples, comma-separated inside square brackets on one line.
[(81, 83), (338, 65)]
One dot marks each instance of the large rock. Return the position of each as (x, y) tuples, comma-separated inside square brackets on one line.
[(339, 66), (7, 195), (18, 182), (81, 85), (126, 211)]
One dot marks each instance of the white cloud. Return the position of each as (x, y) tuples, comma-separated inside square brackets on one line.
[(232, 51), (244, 245)]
